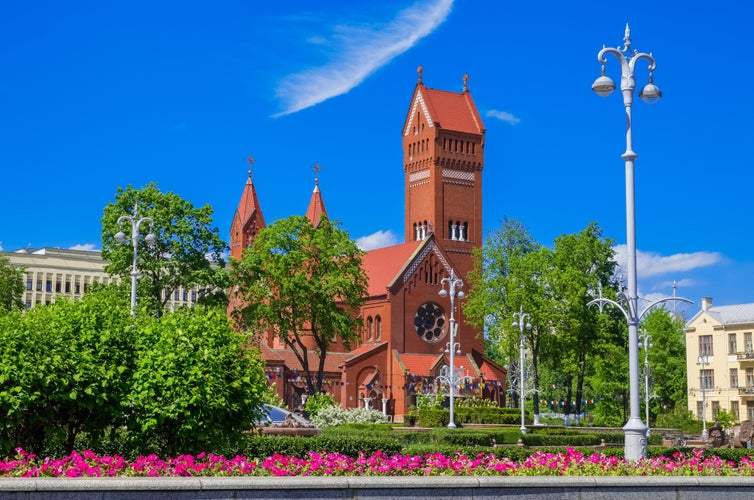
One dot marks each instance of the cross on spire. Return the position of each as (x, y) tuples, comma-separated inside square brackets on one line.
[(420, 70), (465, 82), (316, 169)]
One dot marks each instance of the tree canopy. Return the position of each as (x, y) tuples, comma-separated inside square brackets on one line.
[(303, 284), (11, 285), (187, 251)]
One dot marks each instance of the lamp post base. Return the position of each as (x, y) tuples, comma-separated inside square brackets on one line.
[(635, 433)]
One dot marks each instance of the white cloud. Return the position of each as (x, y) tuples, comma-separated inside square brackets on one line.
[(379, 239), (1, 246), (89, 247), (653, 264), (503, 116), (360, 52)]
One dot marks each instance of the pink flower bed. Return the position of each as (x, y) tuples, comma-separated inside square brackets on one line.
[(573, 463)]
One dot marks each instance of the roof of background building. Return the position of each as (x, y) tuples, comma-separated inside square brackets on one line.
[(731, 315)]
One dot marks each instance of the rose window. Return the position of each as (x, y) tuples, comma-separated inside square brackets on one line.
[(429, 322)]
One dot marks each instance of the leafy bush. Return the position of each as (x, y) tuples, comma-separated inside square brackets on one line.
[(316, 402)]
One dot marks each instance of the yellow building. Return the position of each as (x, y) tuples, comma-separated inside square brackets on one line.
[(720, 360), (53, 272)]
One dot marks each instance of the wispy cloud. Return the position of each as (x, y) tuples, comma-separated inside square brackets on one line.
[(503, 116), (377, 240), (360, 51), (653, 264), (89, 247), (1, 246)]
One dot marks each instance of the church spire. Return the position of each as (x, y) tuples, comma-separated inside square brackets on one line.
[(316, 205), (248, 218)]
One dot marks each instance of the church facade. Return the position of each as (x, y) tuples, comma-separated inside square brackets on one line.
[(403, 347)]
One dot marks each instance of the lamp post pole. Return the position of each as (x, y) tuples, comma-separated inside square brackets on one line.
[(454, 290), (703, 361), (521, 320), (646, 344), (121, 237), (635, 430)]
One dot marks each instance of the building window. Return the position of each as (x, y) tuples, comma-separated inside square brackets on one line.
[(750, 410), (734, 408), (176, 294), (700, 410), (749, 377), (48, 286), (747, 342), (378, 328), (39, 285), (708, 379), (193, 296), (715, 409), (733, 378), (705, 345), (370, 328), (29, 284), (732, 346)]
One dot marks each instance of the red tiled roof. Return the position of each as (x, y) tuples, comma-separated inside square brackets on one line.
[(316, 207), (333, 360), (382, 265), (451, 110), (249, 204), (418, 364)]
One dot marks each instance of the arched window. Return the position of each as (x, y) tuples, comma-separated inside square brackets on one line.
[(370, 328), (378, 328)]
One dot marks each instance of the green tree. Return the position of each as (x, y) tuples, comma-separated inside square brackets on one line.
[(187, 251), (197, 384), (11, 285), (583, 262), (512, 273), (63, 371), (303, 284), (667, 360)]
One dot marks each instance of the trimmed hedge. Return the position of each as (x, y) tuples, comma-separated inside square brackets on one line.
[(265, 446), (429, 417)]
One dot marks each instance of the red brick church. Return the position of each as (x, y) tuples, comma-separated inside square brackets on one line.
[(401, 354)]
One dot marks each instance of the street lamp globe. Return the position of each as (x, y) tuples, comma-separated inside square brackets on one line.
[(603, 85), (650, 93)]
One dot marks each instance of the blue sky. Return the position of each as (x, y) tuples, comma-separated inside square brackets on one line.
[(96, 95)]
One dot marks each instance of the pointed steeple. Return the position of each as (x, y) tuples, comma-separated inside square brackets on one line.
[(316, 205), (248, 219)]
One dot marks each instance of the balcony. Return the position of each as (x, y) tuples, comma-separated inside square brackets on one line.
[(745, 356), (749, 389)]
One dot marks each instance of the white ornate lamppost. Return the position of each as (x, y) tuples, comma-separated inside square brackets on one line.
[(521, 321), (454, 290), (635, 430), (703, 361), (121, 237)]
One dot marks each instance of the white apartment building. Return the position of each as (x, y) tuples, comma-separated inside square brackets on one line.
[(53, 272), (720, 360)]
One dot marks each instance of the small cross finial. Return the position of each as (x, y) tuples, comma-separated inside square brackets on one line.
[(251, 161), (465, 82), (316, 169), (420, 70)]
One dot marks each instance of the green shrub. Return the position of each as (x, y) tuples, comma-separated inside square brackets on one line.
[(317, 402)]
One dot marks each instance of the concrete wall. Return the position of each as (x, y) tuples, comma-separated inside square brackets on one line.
[(380, 488)]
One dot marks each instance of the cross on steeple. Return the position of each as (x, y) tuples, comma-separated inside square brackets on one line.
[(420, 70), (316, 169), (465, 82)]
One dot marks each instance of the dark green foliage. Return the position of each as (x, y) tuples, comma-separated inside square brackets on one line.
[(427, 417), (265, 446)]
